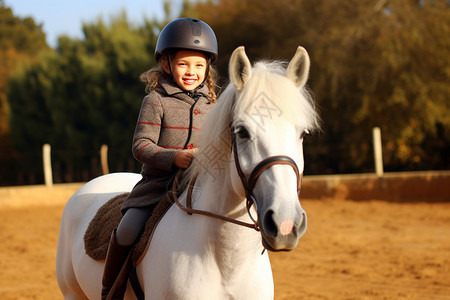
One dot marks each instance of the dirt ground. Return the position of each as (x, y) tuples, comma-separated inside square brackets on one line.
[(352, 250)]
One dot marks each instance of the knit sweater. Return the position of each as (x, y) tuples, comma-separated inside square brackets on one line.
[(169, 121)]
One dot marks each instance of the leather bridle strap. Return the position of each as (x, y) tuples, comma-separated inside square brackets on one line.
[(269, 162), (190, 210), (249, 183)]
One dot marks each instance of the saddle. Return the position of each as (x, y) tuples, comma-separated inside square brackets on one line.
[(107, 218)]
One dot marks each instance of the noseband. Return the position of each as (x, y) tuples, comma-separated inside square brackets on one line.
[(248, 185)]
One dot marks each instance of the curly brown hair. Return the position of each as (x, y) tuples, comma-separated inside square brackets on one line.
[(152, 76)]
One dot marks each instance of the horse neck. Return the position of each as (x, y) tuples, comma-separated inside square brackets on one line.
[(218, 196), (231, 244)]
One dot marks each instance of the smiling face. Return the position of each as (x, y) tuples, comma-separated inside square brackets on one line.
[(188, 68)]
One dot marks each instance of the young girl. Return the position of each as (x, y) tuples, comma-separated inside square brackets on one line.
[(180, 95)]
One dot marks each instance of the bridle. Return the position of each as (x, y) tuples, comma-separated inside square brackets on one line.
[(248, 185)]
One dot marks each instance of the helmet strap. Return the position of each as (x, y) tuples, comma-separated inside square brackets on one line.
[(169, 62)]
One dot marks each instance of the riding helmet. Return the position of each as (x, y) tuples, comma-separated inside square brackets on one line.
[(189, 34)]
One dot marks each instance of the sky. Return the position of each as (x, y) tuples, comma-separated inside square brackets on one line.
[(60, 17)]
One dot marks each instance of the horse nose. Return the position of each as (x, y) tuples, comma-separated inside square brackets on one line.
[(285, 227), (269, 224), (301, 229)]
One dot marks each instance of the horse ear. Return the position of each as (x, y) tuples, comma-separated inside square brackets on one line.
[(298, 68), (240, 68)]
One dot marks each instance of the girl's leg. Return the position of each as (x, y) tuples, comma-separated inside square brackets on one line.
[(120, 245), (132, 224)]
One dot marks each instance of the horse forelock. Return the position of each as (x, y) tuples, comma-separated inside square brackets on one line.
[(270, 87)]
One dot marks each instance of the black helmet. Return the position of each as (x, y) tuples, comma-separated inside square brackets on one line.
[(189, 34)]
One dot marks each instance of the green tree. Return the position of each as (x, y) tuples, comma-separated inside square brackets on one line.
[(21, 40), (85, 94), (383, 63)]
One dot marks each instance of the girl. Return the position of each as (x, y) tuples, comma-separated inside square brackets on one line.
[(180, 95)]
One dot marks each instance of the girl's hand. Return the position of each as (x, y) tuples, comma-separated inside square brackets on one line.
[(184, 158)]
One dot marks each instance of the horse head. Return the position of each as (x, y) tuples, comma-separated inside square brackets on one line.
[(272, 113)]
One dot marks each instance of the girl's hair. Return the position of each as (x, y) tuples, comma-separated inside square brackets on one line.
[(152, 76)]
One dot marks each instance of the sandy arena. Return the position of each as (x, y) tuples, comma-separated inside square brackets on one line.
[(352, 250)]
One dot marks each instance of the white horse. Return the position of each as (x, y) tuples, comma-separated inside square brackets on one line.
[(262, 116)]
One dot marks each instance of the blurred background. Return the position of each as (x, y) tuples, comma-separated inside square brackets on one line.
[(374, 63)]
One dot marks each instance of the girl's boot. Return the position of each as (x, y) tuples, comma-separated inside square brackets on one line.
[(117, 269)]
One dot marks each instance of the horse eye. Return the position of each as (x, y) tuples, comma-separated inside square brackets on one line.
[(242, 132), (304, 133)]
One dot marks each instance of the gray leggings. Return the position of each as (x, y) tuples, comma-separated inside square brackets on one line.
[(132, 224)]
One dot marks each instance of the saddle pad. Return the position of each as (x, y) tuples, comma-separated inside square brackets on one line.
[(107, 218)]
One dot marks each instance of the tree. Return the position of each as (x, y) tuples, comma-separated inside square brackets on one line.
[(373, 64), (21, 41), (85, 94)]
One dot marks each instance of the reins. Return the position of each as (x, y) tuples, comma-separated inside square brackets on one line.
[(188, 208)]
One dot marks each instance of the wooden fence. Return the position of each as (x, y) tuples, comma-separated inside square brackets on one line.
[(47, 162), (48, 173)]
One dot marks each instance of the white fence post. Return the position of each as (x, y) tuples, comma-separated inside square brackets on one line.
[(46, 149), (378, 155), (104, 159)]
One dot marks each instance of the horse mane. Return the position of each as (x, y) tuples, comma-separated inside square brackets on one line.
[(268, 78)]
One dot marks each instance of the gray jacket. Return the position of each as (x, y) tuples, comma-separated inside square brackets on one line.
[(170, 120)]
